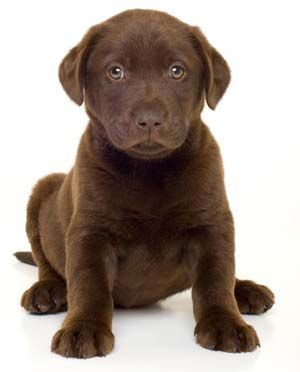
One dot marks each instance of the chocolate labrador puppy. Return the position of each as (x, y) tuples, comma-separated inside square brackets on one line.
[(143, 214)]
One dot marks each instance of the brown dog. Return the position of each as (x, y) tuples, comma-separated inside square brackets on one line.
[(143, 214)]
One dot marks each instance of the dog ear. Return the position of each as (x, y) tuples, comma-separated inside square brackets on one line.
[(217, 72), (72, 67)]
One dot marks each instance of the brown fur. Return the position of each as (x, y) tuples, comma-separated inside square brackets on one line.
[(130, 224)]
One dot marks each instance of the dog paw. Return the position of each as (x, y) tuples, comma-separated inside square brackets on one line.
[(45, 296), (253, 298), (83, 339), (225, 332)]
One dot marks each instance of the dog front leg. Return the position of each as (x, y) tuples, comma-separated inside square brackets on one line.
[(219, 325), (90, 265)]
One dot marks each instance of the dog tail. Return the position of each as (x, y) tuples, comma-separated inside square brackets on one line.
[(26, 257)]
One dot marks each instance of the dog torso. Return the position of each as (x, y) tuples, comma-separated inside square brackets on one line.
[(149, 217)]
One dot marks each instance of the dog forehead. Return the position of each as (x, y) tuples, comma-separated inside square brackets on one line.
[(139, 42), (148, 21)]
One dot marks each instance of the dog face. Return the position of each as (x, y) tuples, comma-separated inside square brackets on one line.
[(143, 76)]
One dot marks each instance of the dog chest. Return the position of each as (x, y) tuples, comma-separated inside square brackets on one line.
[(147, 273)]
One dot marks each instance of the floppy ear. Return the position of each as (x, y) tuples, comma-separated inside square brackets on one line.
[(217, 72), (72, 67)]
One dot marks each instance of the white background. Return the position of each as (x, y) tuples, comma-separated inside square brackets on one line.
[(257, 125)]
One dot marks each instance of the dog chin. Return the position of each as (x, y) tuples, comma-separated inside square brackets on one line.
[(149, 154)]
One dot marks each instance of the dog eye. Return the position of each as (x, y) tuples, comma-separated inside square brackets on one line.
[(116, 73), (176, 72)]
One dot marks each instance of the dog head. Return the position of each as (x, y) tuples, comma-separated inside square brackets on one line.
[(144, 76)]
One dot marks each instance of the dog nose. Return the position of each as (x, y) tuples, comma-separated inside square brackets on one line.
[(149, 124), (149, 120)]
